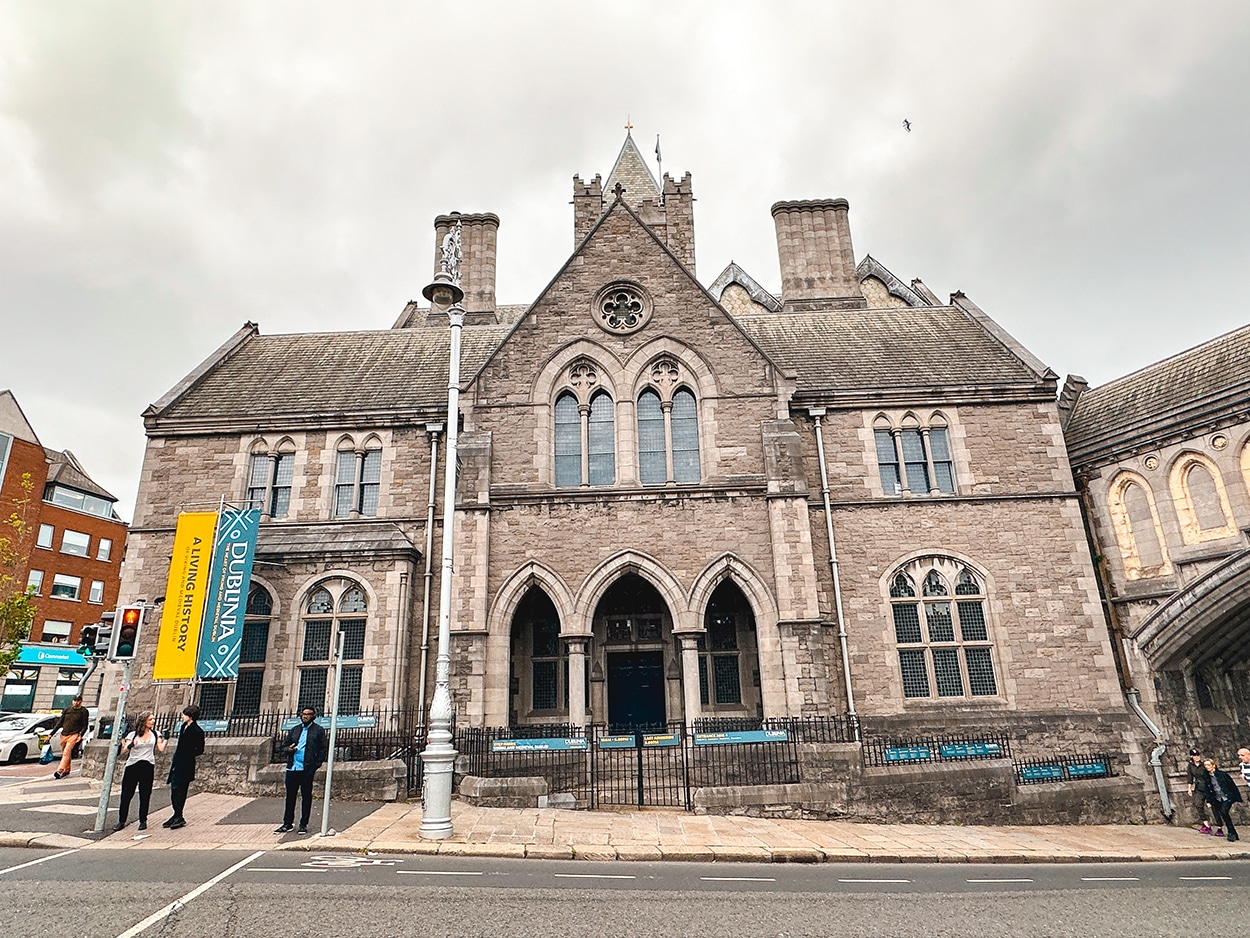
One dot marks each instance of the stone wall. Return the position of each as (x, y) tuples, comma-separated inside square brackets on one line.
[(242, 766)]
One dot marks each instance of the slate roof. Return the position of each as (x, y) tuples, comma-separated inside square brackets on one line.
[(866, 350), (324, 374), (65, 470), (632, 172), (1178, 396)]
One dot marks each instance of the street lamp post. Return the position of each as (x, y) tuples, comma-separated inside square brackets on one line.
[(439, 756)]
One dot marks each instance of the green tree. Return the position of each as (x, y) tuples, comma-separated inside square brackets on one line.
[(17, 600)]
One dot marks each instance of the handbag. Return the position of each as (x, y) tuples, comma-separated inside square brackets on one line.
[(45, 754)]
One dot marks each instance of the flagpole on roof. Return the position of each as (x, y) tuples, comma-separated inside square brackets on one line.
[(659, 165)]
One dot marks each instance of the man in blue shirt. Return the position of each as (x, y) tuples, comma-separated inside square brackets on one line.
[(306, 748)]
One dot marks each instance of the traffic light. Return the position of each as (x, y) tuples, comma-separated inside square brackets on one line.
[(87, 640), (103, 635), (126, 633)]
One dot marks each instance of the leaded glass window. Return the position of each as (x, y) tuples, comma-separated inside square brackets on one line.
[(568, 433), (602, 440), (954, 662), (887, 463), (685, 437), (652, 459)]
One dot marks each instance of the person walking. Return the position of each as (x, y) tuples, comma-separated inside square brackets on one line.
[(182, 766), (73, 726), (306, 748), (142, 744), (1199, 787), (1243, 763), (1223, 795)]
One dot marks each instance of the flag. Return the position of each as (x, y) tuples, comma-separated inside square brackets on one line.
[(228, 583), (657, 149), (179, 639)]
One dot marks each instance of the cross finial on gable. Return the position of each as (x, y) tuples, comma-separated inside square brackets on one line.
[(619, 190), (628, 125)]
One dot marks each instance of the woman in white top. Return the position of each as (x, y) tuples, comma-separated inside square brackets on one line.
[(142, 746)]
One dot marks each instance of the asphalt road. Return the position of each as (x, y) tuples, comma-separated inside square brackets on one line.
[(95, 892)]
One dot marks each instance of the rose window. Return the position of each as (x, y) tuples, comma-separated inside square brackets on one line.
[(622, 308)]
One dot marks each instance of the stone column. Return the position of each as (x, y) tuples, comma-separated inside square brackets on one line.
[(690, 676), (577, 680)]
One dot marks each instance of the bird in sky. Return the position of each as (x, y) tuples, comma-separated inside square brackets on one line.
[(906, 125)]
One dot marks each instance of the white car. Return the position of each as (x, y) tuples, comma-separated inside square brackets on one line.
[(22, 735)]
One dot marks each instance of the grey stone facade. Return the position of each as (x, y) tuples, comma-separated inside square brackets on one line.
[(686, 568)]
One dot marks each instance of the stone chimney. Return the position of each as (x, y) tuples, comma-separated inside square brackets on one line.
[(817, 261), (478, 235)]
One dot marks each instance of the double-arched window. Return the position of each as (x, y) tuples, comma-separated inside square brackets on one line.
[(357, 478), (668, 438), (585, 440), (943, 636), (270, 477)]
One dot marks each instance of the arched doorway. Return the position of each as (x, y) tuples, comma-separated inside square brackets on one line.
[(539, 663), (636, 683), (729, 666)]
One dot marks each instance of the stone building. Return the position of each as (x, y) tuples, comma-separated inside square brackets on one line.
[(74, 561), (674, 501), (1163, 459)]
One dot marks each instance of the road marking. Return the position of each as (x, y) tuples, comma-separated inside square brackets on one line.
[(1109, 879), (592, 876), (22, 866), (1203, 878), (177, 904), (998, 880), (282, 869), (440, 872), (738, 879), (876, 880)]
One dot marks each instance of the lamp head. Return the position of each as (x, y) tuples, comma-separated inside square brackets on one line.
[(443, 292)]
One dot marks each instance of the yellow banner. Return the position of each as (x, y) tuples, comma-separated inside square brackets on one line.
[(189, 571)]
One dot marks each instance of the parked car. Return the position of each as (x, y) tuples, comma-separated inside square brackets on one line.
[(22, 735)]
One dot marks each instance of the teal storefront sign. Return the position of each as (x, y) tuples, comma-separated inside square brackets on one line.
[(42, 654)]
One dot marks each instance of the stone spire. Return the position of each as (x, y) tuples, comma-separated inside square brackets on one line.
[(632, 172)]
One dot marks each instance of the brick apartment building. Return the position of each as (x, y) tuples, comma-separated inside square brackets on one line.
[(76, 547)]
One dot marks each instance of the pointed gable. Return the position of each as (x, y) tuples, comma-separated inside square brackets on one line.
[(633, 174)]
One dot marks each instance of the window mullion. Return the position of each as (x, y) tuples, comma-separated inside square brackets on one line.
[(358, 491), (271, 486), (667, 408), (583, 411), (928, 459), (902, 462)]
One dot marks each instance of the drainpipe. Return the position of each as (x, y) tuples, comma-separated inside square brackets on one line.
[(1134, 701), (816, 414), (433, 429)]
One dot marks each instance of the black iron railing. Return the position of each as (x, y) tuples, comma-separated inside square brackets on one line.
[(890, 751), (1064, 768)]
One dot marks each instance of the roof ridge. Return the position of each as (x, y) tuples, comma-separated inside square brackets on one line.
[(1153, 366)]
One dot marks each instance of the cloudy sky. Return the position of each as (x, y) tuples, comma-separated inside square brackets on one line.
[(169, 170)]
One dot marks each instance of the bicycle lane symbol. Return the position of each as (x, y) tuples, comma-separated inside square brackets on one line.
[(342, 862)]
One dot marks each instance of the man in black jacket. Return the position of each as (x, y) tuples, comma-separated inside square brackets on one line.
[(1198, 788), (306, 748), (72, 723), (182, 767)]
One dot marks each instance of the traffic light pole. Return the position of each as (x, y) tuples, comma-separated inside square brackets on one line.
[(115, 741), (82, 685)]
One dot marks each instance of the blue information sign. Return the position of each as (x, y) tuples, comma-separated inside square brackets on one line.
[(617, 742), (216, 726), (741, 736), (539, 745), (1036, 773), (345, 722), (963, 750), (1087, 769), (661, 739), (41, 654), (908, 753)]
